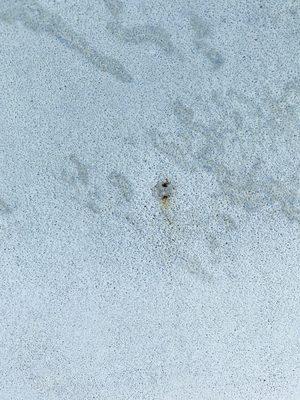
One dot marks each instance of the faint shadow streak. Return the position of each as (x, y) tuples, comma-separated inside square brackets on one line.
[(36, 18)]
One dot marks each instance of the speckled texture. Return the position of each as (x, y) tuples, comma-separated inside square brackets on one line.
[(149, 200)]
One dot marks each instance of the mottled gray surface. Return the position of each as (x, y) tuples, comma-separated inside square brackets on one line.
[(149, 200)]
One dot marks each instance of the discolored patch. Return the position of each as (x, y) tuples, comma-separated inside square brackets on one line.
[(40, 20), (143, 34), (164, 191), (115, 7), (120, 182), (4, 208)]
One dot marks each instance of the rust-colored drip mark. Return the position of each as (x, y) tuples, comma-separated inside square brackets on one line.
[(165, 200), (164, 191)]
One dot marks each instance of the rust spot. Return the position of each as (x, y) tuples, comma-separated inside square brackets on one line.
[(165, 201), (164, 191)]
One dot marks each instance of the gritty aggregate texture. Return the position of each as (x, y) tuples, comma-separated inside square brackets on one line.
[(149, 200)]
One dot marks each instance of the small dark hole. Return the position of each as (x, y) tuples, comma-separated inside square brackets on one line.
[(165, 184), (165, 197)]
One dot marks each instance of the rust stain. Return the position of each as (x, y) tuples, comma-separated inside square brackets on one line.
[(165, 201), (164, 191)]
